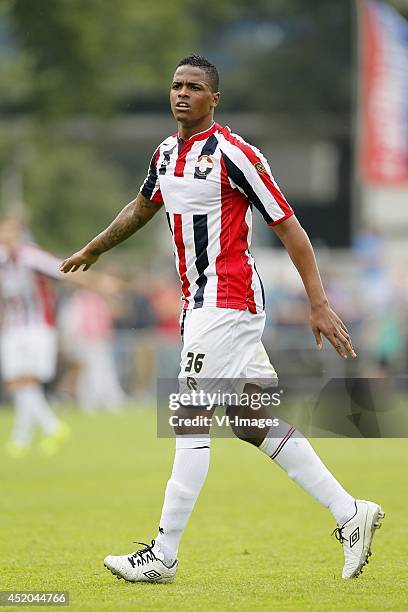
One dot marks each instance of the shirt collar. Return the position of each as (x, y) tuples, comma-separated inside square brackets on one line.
[(201, 135)]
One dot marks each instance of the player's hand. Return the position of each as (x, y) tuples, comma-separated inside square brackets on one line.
[(83, 258), (325, 321)]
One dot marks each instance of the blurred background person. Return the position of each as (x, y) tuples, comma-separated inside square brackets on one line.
[(86, 327), (28, 338), (136, 340), (382, 300)]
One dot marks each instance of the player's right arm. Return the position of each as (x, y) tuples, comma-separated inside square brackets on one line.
[(250, 172), (130, 219)]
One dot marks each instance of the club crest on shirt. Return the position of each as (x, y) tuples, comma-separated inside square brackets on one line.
[(203, 167), (260, 168)]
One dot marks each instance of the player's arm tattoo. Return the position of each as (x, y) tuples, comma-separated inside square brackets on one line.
[(130, 219)]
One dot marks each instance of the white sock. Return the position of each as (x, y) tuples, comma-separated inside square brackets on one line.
[(31, 398), (24, 417), (294, 454), (190, 469)]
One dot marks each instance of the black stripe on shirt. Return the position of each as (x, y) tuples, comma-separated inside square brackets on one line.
[(166, 160), (210, 145), (262, 287), (183, 318), (239, 179), (201, 244), (169, 222), (151, 180)]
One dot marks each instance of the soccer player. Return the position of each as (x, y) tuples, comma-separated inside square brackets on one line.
[(28, 342), (28, 338), (208, 180)]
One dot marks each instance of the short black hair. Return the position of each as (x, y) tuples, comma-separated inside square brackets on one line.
[(202, 62)]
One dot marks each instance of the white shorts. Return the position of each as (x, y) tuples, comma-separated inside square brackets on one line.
[(29, 351), (224, 343)]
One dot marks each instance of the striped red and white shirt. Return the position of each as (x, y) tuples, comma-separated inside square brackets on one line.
[(26, 297), (209, 184)]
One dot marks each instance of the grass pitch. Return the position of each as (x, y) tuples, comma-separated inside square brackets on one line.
[(254, 542)]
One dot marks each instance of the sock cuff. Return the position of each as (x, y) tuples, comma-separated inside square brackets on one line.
[(192, 442), (268, 446), (272, 446), (28, 389)]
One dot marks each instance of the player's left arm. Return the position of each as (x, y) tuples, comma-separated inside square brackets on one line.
[(323, 319), (129, 220)]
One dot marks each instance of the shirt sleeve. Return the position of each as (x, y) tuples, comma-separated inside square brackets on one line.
[(151, 187), (249, 171), (41, 261)]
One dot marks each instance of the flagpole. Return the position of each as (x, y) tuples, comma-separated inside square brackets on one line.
[(356, 219)]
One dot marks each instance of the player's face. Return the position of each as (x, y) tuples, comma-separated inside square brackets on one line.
[(10, 232), (191, 97)]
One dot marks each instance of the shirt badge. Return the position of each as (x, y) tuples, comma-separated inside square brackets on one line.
[(203, 167), (260, 168)]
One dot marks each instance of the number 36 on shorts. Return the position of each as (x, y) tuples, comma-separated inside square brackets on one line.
[(194, 362)]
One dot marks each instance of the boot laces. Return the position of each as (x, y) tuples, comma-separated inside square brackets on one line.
[(143, 556), (338, 533)]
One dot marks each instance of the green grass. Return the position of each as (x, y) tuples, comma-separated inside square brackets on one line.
[(254, 542)]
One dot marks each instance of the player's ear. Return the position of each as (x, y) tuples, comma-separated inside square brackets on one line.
[(216, 99)]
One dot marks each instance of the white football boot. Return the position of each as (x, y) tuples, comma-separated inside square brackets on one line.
[(146, 565), (356, 536)]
